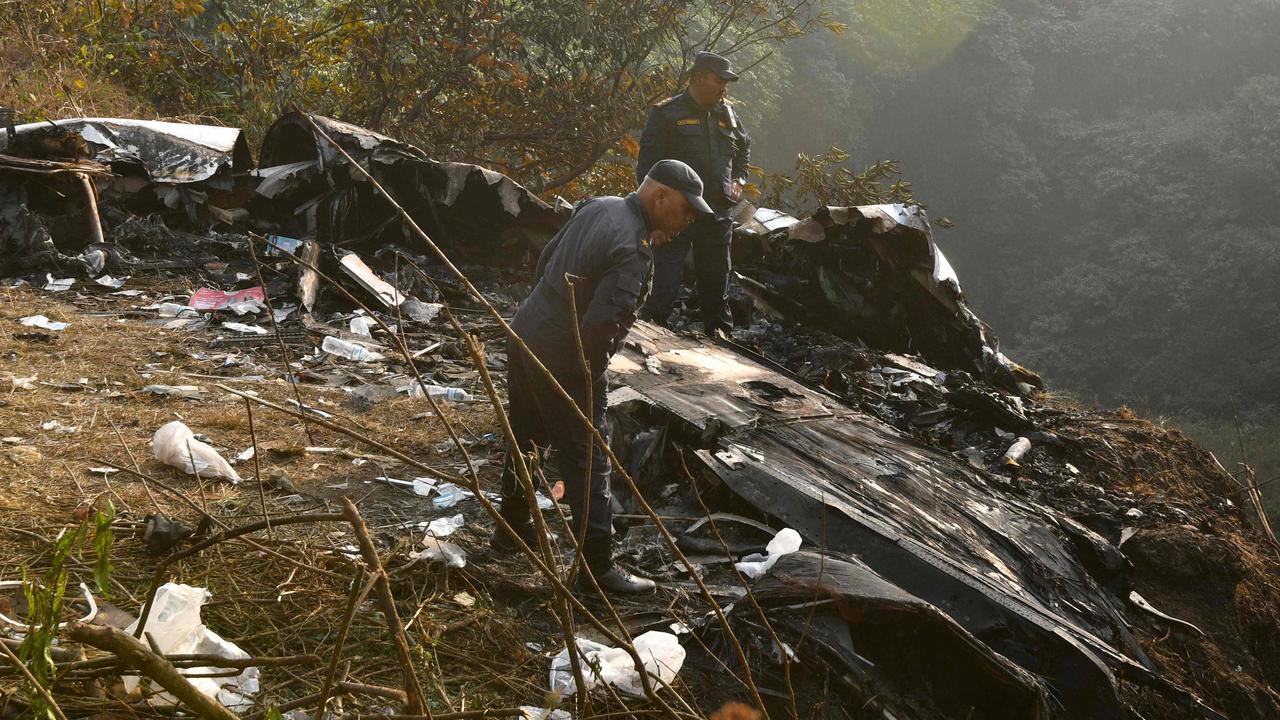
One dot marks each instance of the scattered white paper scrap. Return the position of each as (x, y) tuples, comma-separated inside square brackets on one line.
[(660, 652), (318, 413), (754, 565), (44, 323), (20, 383), (423, 486), (250, 306), (59, 427), (53, 284), (188, 392), (533, 712), (246, 329), (108, 281)]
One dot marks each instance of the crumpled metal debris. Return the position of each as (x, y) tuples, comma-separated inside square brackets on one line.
[(925, 522), (454, 202), (167, 152), (874, 273)]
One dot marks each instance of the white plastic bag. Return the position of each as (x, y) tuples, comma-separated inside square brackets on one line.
[(437, 550), (175, 626), (660, 652), (175, 445), (754, 565), (444, 526)]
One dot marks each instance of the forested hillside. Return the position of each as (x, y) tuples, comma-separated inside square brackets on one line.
[(1111, 167)]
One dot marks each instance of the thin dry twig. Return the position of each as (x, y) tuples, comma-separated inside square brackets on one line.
[(415, 702), (359, 589), (138, 656)]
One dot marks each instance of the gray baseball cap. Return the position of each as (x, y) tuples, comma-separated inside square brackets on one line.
[(718, 64), (678, 176)]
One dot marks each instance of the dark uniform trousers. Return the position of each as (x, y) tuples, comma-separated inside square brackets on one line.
[(711, 239), (541, 417)]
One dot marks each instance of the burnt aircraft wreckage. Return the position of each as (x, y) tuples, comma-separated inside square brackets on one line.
[(860, 402)]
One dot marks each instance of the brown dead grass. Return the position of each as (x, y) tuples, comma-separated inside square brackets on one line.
[(264, 604)]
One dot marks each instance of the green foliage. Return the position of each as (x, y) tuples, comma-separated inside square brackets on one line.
[(45, 598), (823, 180), (545, 91)]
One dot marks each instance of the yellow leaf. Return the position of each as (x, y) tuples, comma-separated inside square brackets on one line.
[(79, 84)]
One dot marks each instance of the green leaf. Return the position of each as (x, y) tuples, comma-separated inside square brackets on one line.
[(103, 538)]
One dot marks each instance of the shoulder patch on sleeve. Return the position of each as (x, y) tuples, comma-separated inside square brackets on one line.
[(731, 116)]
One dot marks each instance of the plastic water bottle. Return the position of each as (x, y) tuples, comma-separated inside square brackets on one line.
[(350, 351)]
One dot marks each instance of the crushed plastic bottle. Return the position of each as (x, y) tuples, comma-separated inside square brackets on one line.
[(350, 351)]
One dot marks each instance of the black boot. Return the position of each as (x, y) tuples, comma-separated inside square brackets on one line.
[(616, 581), (528, 532)]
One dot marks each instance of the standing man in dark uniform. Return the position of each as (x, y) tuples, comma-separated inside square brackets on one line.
[(604, 250), (700, 128)]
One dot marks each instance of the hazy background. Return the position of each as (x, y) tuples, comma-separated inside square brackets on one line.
[(1111, 167)]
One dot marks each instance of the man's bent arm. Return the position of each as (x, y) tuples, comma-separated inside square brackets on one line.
[(616, 299)]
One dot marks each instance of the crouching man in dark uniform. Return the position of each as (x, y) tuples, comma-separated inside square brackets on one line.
[(605, 250), (699, 127)]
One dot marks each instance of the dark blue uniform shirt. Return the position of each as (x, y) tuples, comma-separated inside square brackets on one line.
[(605, 247), (711, 141)]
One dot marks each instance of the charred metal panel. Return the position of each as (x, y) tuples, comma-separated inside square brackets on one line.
[(1005, 570)]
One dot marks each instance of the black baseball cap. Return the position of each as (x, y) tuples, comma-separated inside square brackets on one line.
[(718, 64), (678, 176)]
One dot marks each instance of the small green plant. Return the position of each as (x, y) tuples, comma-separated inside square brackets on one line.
[(45, 597), (829, 179)]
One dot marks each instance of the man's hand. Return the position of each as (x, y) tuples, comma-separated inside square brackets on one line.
[(735, 191)]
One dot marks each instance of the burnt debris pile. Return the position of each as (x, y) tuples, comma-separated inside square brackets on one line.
[(875, 511)]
